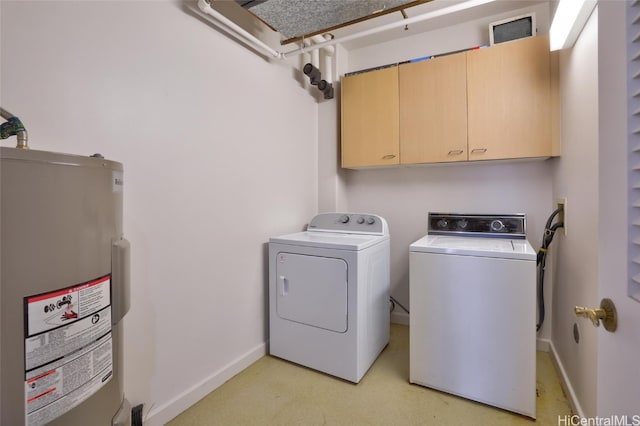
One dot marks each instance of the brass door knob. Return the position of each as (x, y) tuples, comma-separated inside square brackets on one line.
[(605, 313)]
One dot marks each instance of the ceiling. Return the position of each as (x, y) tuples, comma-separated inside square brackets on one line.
[(291, 19), (295, 19)]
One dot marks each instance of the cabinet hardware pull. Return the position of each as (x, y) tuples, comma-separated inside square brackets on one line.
[(455, 152), (479, 150), (389, 156)]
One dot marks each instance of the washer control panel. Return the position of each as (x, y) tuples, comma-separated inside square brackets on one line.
[(355, 223), (478, 225)]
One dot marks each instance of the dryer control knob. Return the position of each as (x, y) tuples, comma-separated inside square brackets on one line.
[(361, 220), (371, 220), (344, 218)]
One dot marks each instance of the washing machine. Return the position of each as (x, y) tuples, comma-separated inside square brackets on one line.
[(329, 294), (472, 283)]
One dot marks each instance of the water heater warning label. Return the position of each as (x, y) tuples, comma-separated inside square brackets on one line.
[(68, 348)]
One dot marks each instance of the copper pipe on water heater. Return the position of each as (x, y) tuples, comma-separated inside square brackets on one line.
[(12, 127)]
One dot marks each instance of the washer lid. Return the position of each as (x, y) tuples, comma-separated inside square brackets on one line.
[(340, 241), (504, 248)]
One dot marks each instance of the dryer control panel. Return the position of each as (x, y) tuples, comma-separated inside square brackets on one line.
[(352, 223)]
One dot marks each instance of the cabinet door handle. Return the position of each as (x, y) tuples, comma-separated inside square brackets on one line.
[(478, 150), (388, 156), (455, 152)]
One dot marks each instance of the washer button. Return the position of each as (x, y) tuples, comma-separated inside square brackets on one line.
[(371, 220), (360, 220), (497, 225)]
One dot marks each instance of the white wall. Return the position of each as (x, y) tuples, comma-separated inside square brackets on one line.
[(220, 153), (331, 185), (404, 195), (576, 177)]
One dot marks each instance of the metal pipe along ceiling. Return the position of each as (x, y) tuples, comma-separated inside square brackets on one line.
[(227, 25), (231, 27)]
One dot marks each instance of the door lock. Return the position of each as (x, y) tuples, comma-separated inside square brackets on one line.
[(605, 313)]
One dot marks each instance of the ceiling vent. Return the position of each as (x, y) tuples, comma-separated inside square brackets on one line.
[(512, 29)]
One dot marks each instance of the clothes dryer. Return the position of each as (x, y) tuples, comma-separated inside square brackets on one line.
[(329, 294)]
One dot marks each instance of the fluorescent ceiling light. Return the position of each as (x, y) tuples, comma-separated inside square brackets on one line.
[(570, 17)]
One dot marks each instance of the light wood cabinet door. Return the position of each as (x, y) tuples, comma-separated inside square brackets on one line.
[(508, 88), (433, 110), (370, 129)]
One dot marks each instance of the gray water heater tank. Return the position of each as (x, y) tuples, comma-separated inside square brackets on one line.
[(64, 289)]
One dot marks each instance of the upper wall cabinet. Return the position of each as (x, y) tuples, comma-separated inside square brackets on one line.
[(485, 104), (509, 100), (370, 130), (433, 110)]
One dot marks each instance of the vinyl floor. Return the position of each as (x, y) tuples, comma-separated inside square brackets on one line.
[(277, 392)]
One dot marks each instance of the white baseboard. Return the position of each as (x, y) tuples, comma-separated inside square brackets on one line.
[(158, 416), (400, 317), (543, 345), (566, 384)]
